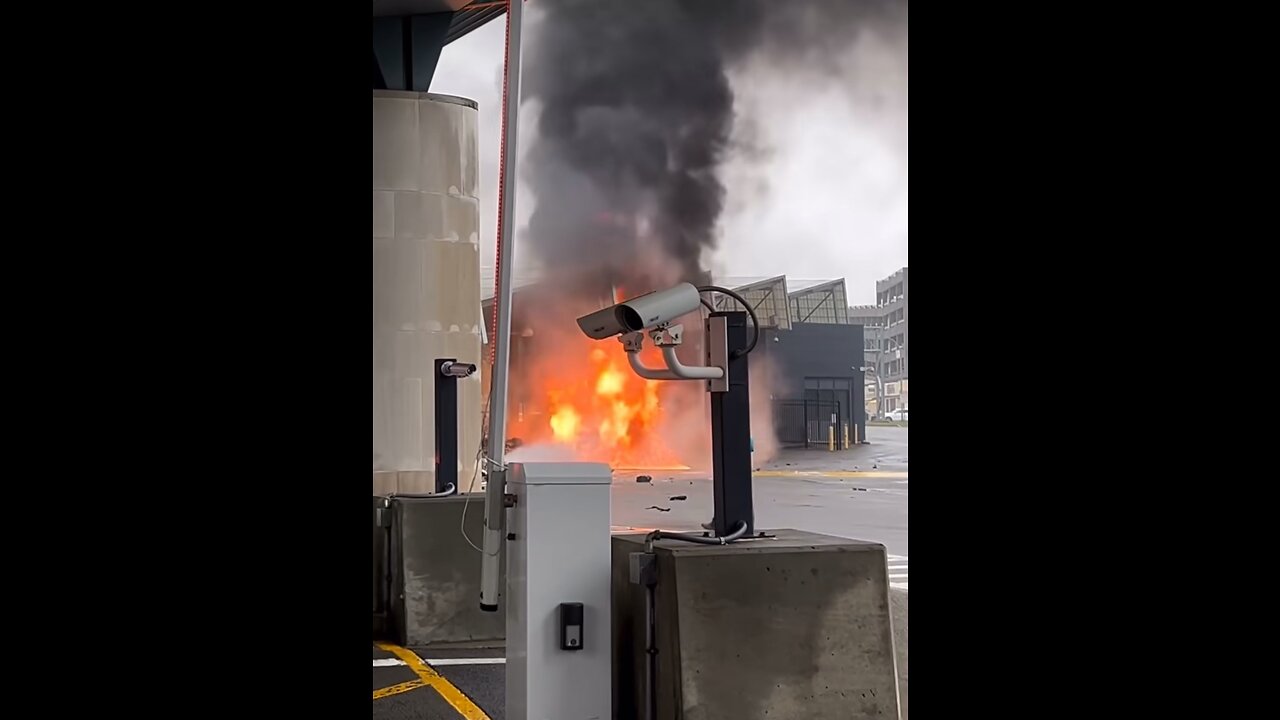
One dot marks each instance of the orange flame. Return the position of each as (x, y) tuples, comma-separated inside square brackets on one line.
[(564, 423), (599, 408)]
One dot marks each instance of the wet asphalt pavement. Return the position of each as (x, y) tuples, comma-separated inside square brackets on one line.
[(860, 493)]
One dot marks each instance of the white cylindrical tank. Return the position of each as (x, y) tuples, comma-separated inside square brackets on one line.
[(426, 277)]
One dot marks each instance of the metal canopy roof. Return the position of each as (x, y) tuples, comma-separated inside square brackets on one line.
[(804, 285), (468, 14), (386, 8)]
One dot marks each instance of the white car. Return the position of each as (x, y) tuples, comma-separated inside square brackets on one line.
[(899, 415)]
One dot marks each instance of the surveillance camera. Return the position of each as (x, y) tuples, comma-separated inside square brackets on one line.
[(658, 308), (457, 369), (641, 313), (602, 323)]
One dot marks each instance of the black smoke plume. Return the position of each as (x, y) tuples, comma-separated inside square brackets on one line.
[(636, 115)]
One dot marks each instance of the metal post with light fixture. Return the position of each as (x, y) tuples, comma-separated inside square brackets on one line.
[(879, 388), (447, 373)]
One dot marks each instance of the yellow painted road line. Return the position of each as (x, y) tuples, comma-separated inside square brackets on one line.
[(832, 473), (451, 694), (403, 687)]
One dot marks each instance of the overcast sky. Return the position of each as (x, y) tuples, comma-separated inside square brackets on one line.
[(826, 194)]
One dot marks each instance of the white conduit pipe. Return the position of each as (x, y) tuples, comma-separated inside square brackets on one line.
[(648, 373), (686, 372)]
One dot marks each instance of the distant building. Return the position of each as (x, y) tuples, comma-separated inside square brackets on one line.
[(872, 320), (886, 341)]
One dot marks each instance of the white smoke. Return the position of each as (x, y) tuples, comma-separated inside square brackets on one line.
[(818, 186)]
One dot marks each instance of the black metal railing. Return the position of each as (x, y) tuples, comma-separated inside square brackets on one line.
[(802, 423)]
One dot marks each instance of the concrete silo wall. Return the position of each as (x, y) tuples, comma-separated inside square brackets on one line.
[(425, 281)]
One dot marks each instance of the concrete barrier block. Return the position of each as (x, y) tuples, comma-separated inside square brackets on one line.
[(898, 612), (797, 625), (436, 596)]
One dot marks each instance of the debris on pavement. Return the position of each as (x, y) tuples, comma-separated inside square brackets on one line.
[(860, 489), (678, 497), (659, 509), (644, 478)]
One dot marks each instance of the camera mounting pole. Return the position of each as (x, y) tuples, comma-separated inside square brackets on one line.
[(725, 374), (730, 423), (727, 379)]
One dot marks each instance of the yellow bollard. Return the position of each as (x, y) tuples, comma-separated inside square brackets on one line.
[(846, 436), (831, 438)]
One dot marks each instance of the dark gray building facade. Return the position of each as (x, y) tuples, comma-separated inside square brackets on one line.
[(817, 383), (814, 354), (891, 298)]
